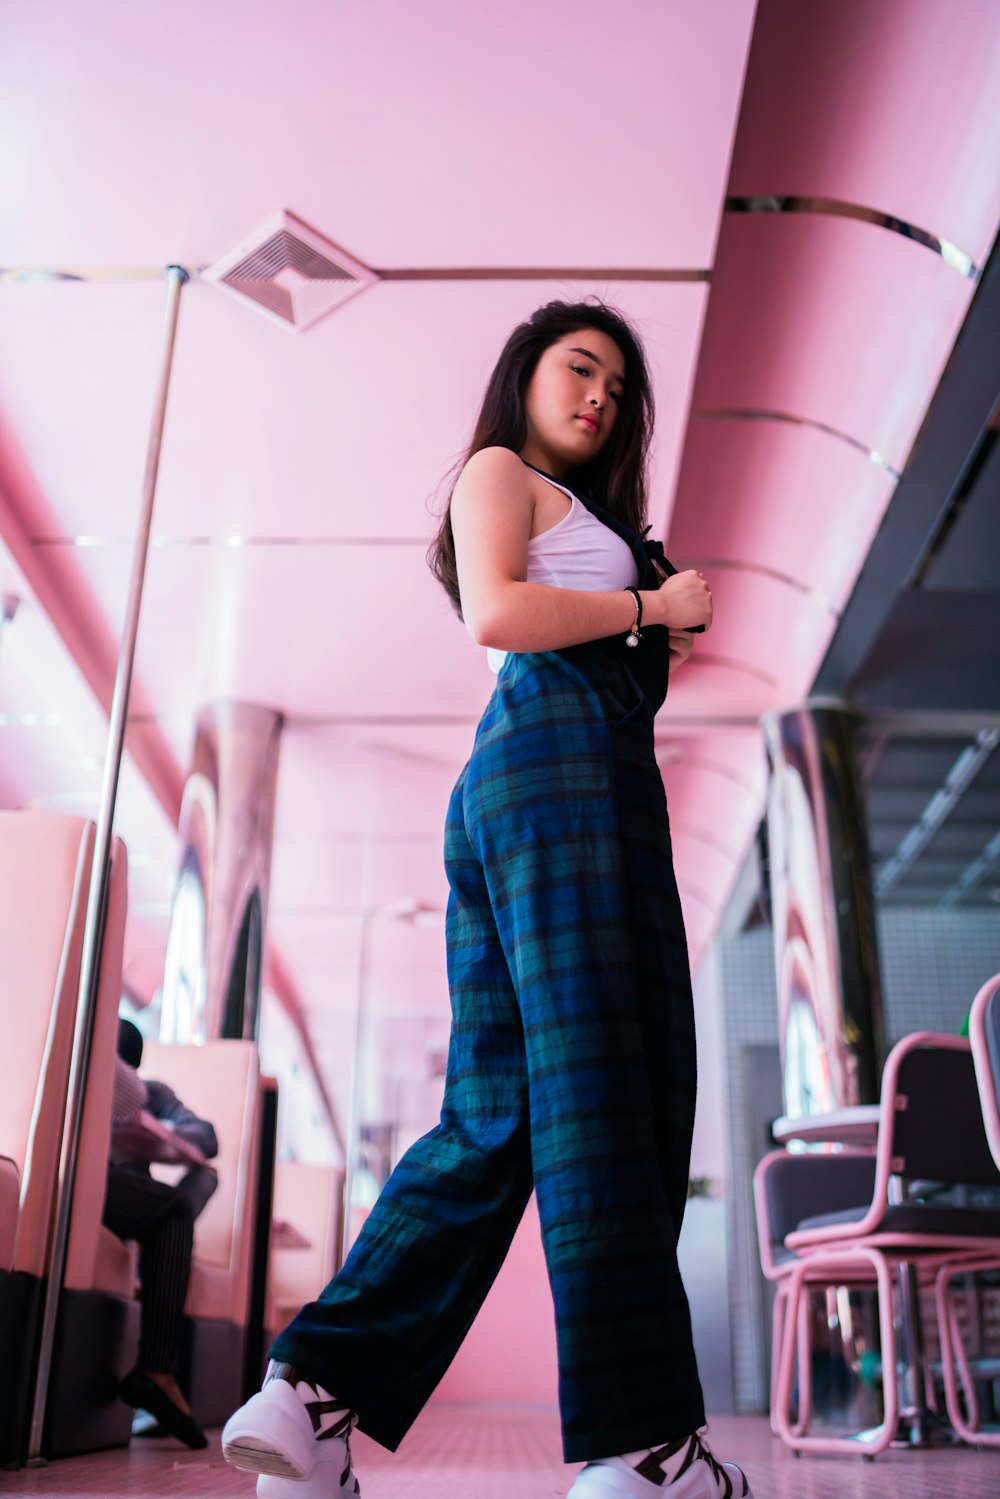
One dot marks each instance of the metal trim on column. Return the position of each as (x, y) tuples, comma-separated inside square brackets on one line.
[(830, 1019), (97, 896)]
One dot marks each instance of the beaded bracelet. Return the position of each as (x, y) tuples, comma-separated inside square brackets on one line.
[(635, 634)]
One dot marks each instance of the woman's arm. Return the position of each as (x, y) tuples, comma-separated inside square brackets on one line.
[(491, 516)]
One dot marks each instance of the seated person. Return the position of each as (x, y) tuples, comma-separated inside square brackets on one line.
[(161, 1218)]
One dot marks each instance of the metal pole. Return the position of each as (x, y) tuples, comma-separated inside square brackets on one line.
[(98, 892), (354, 1124)]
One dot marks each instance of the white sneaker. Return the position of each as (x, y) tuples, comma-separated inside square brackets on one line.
[(692, 1472), (296, 1436)]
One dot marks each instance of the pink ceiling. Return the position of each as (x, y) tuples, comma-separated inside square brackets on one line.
[(430, 135), (292, 514), (889, 105)]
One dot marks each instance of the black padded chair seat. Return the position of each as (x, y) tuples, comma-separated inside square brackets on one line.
[(916, 1218)]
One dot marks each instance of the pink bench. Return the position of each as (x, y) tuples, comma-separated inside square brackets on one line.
[(220, 1081), (44, 871)]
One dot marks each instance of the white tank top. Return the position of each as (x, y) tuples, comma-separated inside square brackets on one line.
[(577, 552)]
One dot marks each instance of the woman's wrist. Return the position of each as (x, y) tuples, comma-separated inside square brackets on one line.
[(652, 606)]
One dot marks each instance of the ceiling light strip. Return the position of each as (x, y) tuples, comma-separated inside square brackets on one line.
[(332, 720), (356, 838), (749, 414), (403, 720), (937, 810), (48, 274), (950, 253), (542, 273), (234, 542), (975, 873), (42, 274), (764, 571)]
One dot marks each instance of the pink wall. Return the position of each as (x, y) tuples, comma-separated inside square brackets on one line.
[(510, 1352)]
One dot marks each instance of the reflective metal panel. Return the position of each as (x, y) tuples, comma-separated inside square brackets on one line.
[(826, 958), (951, 254), (211, 981)]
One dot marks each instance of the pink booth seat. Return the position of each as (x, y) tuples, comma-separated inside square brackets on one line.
[(45, 861), (10, 1192), (220, 1081), (44, 868), (305, 1237)]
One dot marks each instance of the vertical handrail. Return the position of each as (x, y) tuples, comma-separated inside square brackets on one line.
[(353, 1143), (99, 881)]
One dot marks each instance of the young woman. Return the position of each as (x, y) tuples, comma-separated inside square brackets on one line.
[(571, 1066)]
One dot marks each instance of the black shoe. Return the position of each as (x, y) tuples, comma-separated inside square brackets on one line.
[(137, 1389)]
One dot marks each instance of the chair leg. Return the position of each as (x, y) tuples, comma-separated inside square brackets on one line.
[(821, 1270), (777, 1324), (965, 1422), (783, 1393), (804, 1416)]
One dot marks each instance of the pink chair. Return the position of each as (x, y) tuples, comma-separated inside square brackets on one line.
[(957, 1365), (788, 1187), (984, 1038), (928, 1079)]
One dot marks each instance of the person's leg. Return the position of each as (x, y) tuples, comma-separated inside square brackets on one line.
[(139, 1207), (683, 1461), (198, 1186), (385, 1329), (136, 1206), (572, 831)]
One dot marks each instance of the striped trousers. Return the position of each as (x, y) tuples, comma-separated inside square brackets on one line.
[(571, 1069), (161, 1218)]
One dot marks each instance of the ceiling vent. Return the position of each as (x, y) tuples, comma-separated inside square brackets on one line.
[(290, 272)]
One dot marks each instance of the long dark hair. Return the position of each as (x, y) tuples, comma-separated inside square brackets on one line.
[(616, 477)]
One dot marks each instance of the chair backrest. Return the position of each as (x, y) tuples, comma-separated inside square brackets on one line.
[(219, 1081), (932, 1122), (791, 1186), (984, 1036)]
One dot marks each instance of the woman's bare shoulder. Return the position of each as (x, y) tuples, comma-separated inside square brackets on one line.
[(493, 469)]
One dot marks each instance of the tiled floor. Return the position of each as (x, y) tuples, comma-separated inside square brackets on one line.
[(494, 1452)]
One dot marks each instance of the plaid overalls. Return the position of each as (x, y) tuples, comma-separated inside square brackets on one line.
[(571, 1069)]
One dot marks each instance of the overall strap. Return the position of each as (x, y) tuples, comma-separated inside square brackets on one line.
[(644, 551)]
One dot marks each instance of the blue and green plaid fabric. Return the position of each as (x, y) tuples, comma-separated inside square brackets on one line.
[(571, 1068)]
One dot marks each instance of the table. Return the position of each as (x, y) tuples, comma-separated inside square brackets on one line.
[(857, 1125)]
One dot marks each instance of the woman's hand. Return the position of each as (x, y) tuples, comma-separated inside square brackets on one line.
[(684, 601), (681, 645)]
